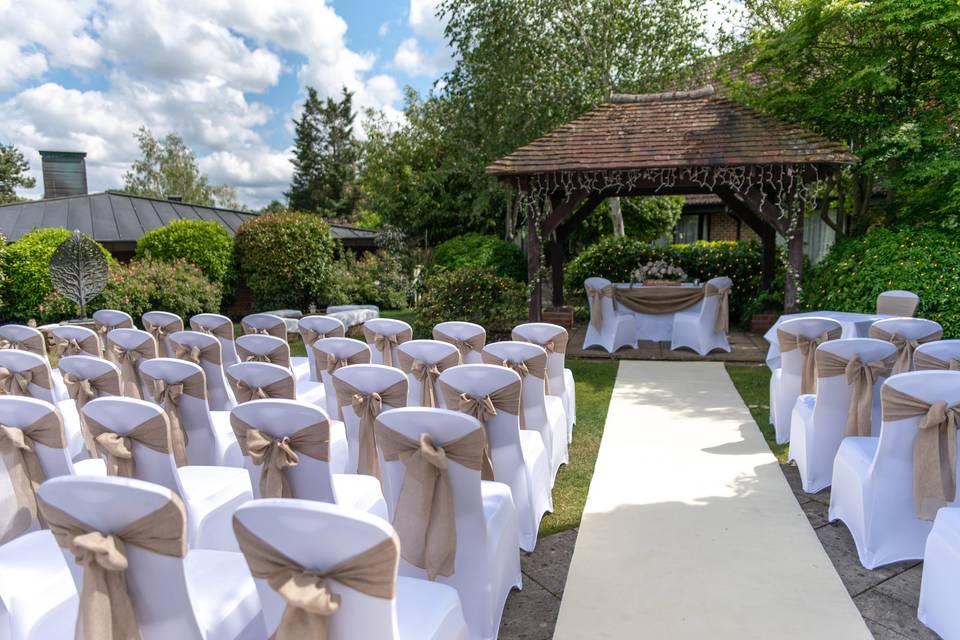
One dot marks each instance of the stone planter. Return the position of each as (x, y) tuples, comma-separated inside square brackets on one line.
[(562, 316), (761, 321)]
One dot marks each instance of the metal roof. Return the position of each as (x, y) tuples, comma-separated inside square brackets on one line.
[(114, 217)]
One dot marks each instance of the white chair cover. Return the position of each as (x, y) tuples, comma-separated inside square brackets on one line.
[(222, 328), (613, 330), (429, 352), (940, 355), (268, 348), (24, 338), (941, 566), (335, 352), (161, 324), (469, 338), (313, 328), (172, 597), (554, 339), (908, 334), (264, 324), (487, 562), (105, 320), (382, 333), (210, 494), (696, 327), (818, 423), (219, 395), (74, 340), (898, 303), (873, 478), (128, 349), (420, 610)]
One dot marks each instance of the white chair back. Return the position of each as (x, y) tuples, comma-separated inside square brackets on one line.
[(368, 378), (223, 326), (909, 328), (310, 479), (945, 350), (260, 374), (540, 333), (898, 302), (708, 310), (791, 362), (21, 332), (123, 415), (131, 339), (194, 412), (834, 393), (608, 325), (323, 326), (22, 561), (219, 395), (260, 345), (386, 327), (163, 319), (87, 366), (157, 583), (112, 319), (293, 528), (78, 333), (445, 426), (534, 388), (258, 323), (339, 348), (459, 330), (429, 352), (16, 360)]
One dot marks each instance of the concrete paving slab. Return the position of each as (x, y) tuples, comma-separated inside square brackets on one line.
[(894, 614), (550, 561)]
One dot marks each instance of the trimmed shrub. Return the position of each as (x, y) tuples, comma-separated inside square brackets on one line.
[(28, 271), (373, 278), (923, 260), (473, 295), (3, 275), (616, 258), (145, 285), (202, 243), (481, 251), (287, 261)]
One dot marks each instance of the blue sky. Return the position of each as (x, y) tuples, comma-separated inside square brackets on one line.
[(85, 74)]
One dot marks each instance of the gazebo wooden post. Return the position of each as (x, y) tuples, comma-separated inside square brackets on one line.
[(558, 252)]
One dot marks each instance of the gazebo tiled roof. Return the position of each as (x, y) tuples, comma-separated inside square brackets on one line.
[(680, 129)]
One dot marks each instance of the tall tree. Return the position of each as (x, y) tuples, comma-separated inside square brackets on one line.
[(13, 173), (325, 158), (168, 167)]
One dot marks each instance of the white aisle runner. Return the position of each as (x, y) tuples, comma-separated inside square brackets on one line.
[(690, 529)]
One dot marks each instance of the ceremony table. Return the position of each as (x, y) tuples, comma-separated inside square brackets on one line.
[(855, 325), (653, 307)]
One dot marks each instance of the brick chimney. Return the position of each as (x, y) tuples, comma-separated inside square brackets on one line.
[(64, 173)]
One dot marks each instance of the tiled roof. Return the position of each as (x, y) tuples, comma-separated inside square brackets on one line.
[(117, 217), (693, 128)]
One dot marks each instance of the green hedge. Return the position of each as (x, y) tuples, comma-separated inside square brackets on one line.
[(27, 265), (473, 295), (923, 260), (616, 258), (373, 278), (203, 243), (483, 252), (287, 261)]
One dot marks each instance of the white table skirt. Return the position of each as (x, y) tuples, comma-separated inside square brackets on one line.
[(657, 327), (855, 325)]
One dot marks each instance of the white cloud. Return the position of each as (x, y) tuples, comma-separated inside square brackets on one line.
[(424, 19), (412, 59)]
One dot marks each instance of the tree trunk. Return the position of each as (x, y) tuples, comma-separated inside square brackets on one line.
[(510, 223), (616, 216), (791, 294)]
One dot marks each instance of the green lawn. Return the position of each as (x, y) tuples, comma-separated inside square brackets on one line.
[(753, 383)]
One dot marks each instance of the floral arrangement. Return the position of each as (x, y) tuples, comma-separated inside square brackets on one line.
[(660, 270)]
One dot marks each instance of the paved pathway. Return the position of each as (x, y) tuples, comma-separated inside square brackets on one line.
[(690, 530)]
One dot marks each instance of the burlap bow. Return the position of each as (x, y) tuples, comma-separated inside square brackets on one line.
[(284, 388), (273, 455), (309, 597), (72, 347), (334, 362), (722, 322), (368, 406), (223, 330), (923, 361), (595, 296), (861, 376), (26, 474), (475, 342), (555, 344), (905, 347), (385, 344), (195, 354), (427, 373), (128, 359), (83, 390), (535, 366), (503, 399), (808, 349), (424, 517), (280, 355), (934, 449), (33, 344), (103, 329), (105, 611), (117, 450), (162, 331), (278, 330), (168, 395), (15, 383), (309, 336)]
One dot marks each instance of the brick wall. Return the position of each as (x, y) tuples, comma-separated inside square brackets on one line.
[(723, 226)]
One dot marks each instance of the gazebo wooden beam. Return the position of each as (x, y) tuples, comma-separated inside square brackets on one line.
[(558, 249)]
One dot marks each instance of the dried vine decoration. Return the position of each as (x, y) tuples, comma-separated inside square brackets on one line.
[(79, 270)]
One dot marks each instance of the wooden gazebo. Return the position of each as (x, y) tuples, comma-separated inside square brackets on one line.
[(766, 171)]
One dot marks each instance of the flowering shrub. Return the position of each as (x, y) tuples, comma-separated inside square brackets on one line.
[(473, 295), (659, 270), (203, 243), (374, 278)]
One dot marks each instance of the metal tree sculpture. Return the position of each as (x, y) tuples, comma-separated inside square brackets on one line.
[(78, 270)]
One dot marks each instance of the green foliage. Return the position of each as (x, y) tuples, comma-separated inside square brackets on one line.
[(168, 167), (14, 174), (287, 261), (923, 260), (28, 271), (473, 295), (3, 275), (644, 219), (616, 258), (325, 157), (203, 243), (484, 252), (373, 278)]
